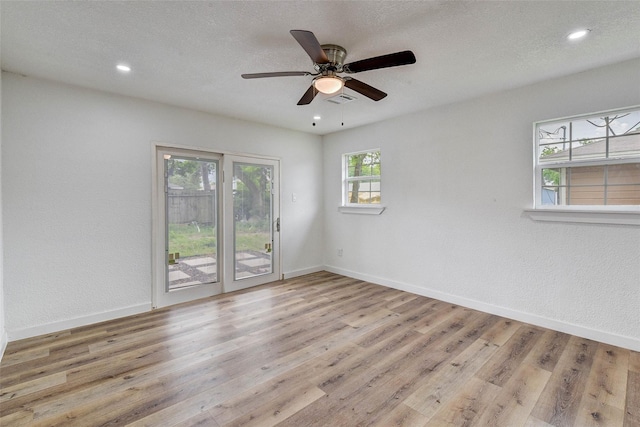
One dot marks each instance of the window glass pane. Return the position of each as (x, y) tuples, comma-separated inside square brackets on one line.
[(623, 174), (550, 196), (586, 195), (590, 128), (586, 185), (554, 152), (364, 192), (588, 149), (624, 146), (363, 164), (589, 175), (623, 195), (355, 164), (553, 132), (553, 176), (373, 161), (625, 123)]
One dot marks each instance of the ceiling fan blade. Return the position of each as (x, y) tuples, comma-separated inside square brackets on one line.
[(308, 96), (310, 44), (391, 60), (365, 89), (276, 74)]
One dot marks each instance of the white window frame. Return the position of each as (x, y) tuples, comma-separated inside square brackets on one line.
[(357, 208), (602, 214)]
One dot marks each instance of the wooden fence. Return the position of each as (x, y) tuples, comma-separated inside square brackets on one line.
[(187, 206)]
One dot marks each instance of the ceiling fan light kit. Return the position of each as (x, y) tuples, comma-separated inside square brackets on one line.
[(328, 84), (328, 59)]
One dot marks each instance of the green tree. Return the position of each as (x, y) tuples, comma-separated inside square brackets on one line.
[(355, 164), (362, 164), (190, 174), (253, 192), (550, 176)]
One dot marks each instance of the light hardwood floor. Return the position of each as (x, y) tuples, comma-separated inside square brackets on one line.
[(318, 350)]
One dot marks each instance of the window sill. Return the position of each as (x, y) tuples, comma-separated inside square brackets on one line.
[(361, 210), (585, 216)]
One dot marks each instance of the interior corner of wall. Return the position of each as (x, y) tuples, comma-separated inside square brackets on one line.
[(3, 343)]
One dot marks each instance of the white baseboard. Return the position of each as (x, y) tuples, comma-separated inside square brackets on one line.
[(568, 328), (573, 329), (297, 273), (62, 325), (53, 327)]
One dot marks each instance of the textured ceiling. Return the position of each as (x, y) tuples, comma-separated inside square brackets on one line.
[(191, 54)]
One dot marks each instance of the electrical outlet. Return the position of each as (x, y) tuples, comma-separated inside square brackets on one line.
[(294, 197), (340, 252)]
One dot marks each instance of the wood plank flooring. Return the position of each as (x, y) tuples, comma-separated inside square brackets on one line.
[(318, 350)]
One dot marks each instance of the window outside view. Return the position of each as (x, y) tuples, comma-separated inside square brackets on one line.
[(589, 161), (362, 178)]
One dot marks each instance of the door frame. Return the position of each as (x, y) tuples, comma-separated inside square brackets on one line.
[(160, 297), (158, 230)]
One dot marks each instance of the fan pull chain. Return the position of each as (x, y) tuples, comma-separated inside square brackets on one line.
[(342, 109)]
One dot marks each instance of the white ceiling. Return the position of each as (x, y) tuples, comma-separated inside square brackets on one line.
[(191, 54)]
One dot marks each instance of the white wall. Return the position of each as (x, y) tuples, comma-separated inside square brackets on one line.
[(455, 182), (76, 174)]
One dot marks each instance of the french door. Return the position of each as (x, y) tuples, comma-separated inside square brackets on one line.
[(216, 224), (252, 222)]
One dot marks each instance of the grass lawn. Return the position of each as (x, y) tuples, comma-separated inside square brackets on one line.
[(190, 240)]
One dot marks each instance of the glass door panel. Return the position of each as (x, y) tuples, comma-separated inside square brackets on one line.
[(186, 226), (252, 219), (251, 222), (192, 221)]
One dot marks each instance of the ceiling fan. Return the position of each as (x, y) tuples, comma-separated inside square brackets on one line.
[(328, 60)]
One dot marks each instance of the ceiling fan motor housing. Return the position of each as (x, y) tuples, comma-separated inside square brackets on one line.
[(336, 55)]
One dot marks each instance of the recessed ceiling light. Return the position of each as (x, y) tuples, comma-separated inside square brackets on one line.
[(316, 117), (123, 68), (578, 34)]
